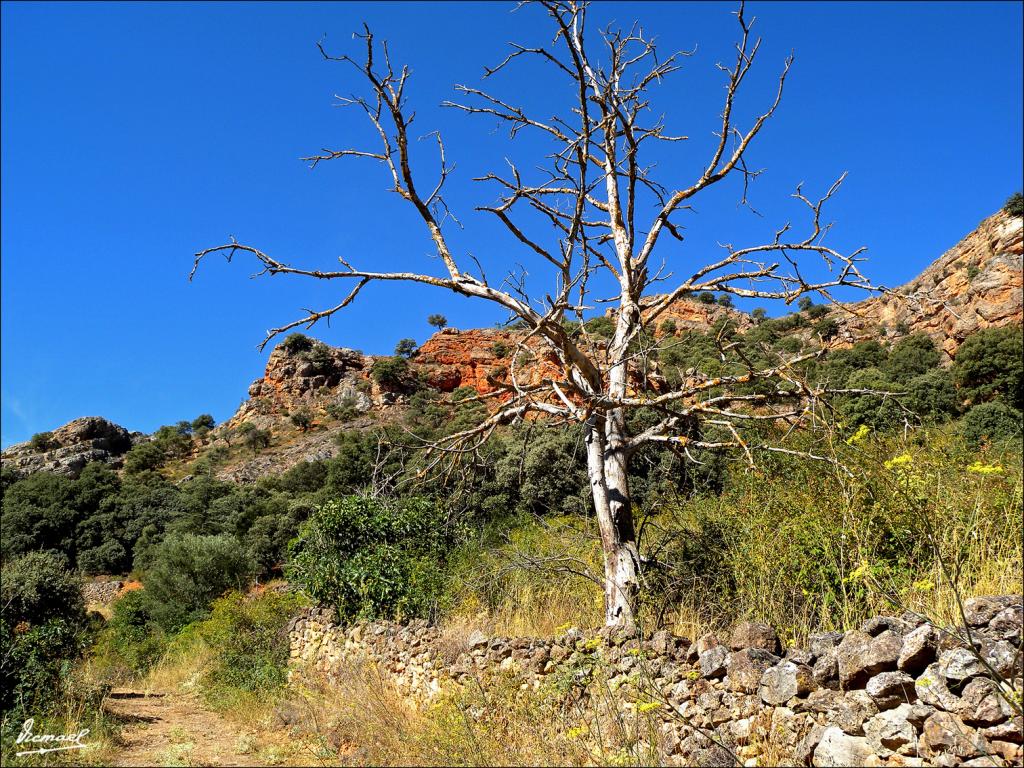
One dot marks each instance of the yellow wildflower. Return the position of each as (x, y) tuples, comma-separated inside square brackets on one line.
[(863, 431), (899, 461), (985, 469)]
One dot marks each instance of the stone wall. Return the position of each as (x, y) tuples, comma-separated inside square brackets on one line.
[(102, 592), (896, 692)]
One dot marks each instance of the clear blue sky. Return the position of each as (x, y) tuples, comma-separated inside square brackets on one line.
[(135, 134)]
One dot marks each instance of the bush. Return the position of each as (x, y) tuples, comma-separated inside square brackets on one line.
[(725, 300), (42, 629), (804, 303), (668, 327), (302, 419), (373, 558), (1015, 204), (603, 327), (438, 321), (500, 349), (988, 423), (132, 637), (759, 314), (296, 343), (144, 457), (249, 639), (42, 441), (391, 372), (911, 356), (254, 437), (185, 572), (932, 396), (706, 297), (319, 355), (990, 365)]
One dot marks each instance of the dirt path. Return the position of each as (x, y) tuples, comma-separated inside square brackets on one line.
[(176, 729)]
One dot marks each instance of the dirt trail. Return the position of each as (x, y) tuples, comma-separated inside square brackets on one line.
[(176, 729)]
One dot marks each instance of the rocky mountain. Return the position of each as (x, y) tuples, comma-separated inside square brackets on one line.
[(979, 283), (68, 449)]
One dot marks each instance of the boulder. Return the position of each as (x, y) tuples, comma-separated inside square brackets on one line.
[(714, 661), (746, 668), (891, 731), (945, 734), (837, 748), (891, 689), (960, 664), (750, 634), (861, 656), (979, 611), (918, 650), (981, 704), (782, 682), (1008, 623), (932, 689)]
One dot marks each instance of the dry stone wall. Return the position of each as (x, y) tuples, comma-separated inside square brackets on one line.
[(897, 692)]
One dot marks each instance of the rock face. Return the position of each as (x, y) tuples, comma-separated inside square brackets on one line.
[(976, 284), (72, 446), (298, 379), (689, 693)]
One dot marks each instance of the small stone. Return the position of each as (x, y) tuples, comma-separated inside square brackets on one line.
[(959, 664), (799, 656), (750, 634), (714, 661), (879, 624), (782, 682), (932, 689), (890, 689), (706, 642), (846, 710), (890, 731), (822, 641), (476, 639), (945, 733), (1008, 623), (979, 611), (826, 668), (837, 748), (918, 650), (746, 668), (981, 704)]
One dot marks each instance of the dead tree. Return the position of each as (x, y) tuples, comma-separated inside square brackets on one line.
[(595, 187)]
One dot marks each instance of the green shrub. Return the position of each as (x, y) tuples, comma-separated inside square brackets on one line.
[(668, 327), (302, 419), (932, 396), (706, 297), (184, 573), (132, 642), (297, 342), (253, 437), (724, 300), (144, 457), (1015, 204), (249, 639), (804, 303), (42, 629), (438, 321), (990, 365), (319, 355), (373, 558), (988, 423), (42, 441), (391, 372), (500, 349), (911, 356), (344, 409), (601, 326)]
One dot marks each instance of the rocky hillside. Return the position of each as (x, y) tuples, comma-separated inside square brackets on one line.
[(68, 449), (979, 283)]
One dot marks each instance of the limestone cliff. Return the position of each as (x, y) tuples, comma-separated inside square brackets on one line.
[(71, 447), (976, 284)]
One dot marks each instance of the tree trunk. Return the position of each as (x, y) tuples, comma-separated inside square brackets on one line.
[(609, 486)]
